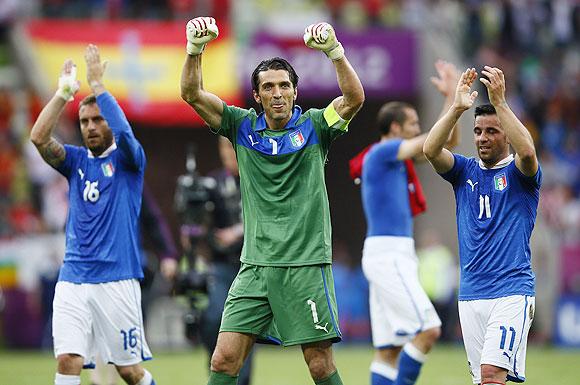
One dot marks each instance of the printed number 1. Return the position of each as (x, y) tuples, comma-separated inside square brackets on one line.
[(313, 310), (274, 146)]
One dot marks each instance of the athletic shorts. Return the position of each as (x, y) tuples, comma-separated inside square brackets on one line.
[(283, 305), (102, 318), (495, 332), (399, 307)]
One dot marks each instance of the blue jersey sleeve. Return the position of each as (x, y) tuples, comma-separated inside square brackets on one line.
[(387, 151), (70, 160), (534, 182), (459, 162), (131, 149)]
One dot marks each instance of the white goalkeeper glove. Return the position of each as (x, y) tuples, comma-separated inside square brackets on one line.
[(68, 85), (199, 32), (321, 36)]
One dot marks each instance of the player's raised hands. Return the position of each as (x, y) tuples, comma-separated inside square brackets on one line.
[(95, 68), (199, 32), (68, 85), (321, 36), (495, 84), (464, 97), (448, 76)]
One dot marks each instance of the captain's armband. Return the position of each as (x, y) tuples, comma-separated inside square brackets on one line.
[(334, 120)]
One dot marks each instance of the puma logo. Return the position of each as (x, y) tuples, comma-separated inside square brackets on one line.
[(319, 327), (252, 140), (82, 175), (469, 182), (507, 355)]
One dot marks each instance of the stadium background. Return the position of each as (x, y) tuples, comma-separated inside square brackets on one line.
[(392, 45)]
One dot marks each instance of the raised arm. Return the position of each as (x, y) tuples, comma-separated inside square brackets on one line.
[(446, 83), (440, 158), (321, 36), (51, 150), (199, 32), (111, 111), (518, 136)]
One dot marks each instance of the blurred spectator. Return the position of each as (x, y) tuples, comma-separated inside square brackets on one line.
[(439, 273), (352, 295)]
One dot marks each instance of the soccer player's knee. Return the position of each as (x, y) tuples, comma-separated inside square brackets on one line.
[(493, 374), (226, 361), (69, 363), (433, 334), (130, 374), (321, 367)]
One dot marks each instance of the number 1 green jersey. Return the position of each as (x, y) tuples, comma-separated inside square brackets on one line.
[(284, 201)]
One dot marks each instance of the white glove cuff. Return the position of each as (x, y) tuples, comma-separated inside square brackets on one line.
[(335, 53), (65, 95), (194, 49)]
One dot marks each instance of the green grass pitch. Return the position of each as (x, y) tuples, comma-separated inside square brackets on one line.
[(285, 366)]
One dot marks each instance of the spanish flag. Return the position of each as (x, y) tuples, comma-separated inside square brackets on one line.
[(145, 59)]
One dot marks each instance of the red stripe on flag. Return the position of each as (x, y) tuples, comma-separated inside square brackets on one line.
[(111, 32), (159, 114)]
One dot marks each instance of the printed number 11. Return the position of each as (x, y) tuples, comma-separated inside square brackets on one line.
[(504, 335)]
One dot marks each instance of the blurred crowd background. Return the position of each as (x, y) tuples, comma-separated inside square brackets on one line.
[(535, 42)]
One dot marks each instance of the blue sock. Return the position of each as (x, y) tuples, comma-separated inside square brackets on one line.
[(410, 362), (382, 374)]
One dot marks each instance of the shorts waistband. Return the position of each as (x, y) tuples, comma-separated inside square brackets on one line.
[(389, 243)]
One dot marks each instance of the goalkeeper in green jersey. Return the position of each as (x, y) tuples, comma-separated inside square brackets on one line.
[(284, 291)]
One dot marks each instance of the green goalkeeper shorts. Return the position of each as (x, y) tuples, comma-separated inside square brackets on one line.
[(283, 305)]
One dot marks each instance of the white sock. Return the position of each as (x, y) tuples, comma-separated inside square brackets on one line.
[(415, 353), (65, 379), (384, 370), (147, 378)]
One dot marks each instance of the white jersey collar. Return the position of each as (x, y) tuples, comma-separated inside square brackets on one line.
[(501, 164), (105, 153)]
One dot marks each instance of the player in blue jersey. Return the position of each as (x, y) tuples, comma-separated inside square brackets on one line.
[(404, 323), (97, 303), (496, 202)]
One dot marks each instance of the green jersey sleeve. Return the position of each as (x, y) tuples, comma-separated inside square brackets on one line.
[(329, 125), (232, 117)]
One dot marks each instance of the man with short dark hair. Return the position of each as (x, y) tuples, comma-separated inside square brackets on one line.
[(404, 323), (284, 290), (496, 204), (97, 302)]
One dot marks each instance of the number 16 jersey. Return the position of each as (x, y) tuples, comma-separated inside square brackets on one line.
[(102, 228), (496, 211)]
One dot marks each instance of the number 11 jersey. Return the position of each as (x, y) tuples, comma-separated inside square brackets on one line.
[(496, 212)]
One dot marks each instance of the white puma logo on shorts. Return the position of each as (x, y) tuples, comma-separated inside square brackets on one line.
[(319, 327)]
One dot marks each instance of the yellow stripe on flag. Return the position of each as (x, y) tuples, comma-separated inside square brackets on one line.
[(152, 73)]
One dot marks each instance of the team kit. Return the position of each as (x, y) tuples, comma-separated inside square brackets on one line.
[(284, 291)]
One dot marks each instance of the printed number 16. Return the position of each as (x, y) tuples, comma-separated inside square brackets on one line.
[(129, 338)]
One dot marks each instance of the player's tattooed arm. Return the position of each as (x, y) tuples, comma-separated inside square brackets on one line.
[(41, 136), (53, 152)]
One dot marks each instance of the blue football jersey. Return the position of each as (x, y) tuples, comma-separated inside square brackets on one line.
[(496, 211), (385, 193), (102, 229)]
